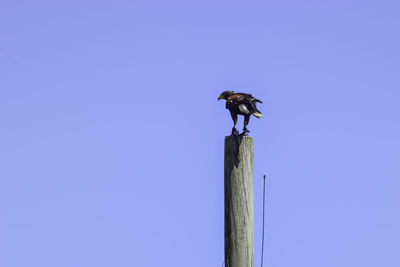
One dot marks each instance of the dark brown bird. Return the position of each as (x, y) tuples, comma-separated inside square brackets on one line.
[(241, 104)]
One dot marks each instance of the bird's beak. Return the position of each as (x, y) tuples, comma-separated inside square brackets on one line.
[(219, 98)]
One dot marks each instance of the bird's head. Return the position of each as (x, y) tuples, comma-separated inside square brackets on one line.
[(225, 95)]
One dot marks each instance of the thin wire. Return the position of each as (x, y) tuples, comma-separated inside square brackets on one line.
[(262, 247)]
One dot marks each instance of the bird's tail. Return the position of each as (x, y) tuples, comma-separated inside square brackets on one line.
[(256, 112)]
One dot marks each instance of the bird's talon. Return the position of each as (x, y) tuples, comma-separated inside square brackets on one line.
[(234, 132), (245, 131)]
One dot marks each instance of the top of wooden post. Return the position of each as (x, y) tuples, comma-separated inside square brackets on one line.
[(237, 146), (239, 140), (239, 136)]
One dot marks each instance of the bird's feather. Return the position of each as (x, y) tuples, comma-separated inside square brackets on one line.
[(244, 109)]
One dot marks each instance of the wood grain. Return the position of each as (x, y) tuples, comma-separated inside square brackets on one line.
[(239, 207)]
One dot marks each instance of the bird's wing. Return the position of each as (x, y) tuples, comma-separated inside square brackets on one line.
[(236, 98), (246, 95), (249, 97), (233, 101)]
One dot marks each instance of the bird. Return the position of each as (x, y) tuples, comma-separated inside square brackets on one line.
[(241, 104)]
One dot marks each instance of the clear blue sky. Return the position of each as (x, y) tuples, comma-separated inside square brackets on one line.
[(112, 137)]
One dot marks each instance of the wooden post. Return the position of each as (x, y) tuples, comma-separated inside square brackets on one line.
[(239, 208)]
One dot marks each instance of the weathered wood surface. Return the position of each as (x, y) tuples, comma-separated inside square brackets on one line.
[(239, 207)]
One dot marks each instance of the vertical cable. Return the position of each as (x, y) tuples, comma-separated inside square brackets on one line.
[(262, 246)]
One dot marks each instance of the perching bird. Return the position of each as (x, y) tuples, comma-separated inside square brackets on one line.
[(241, 104)]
